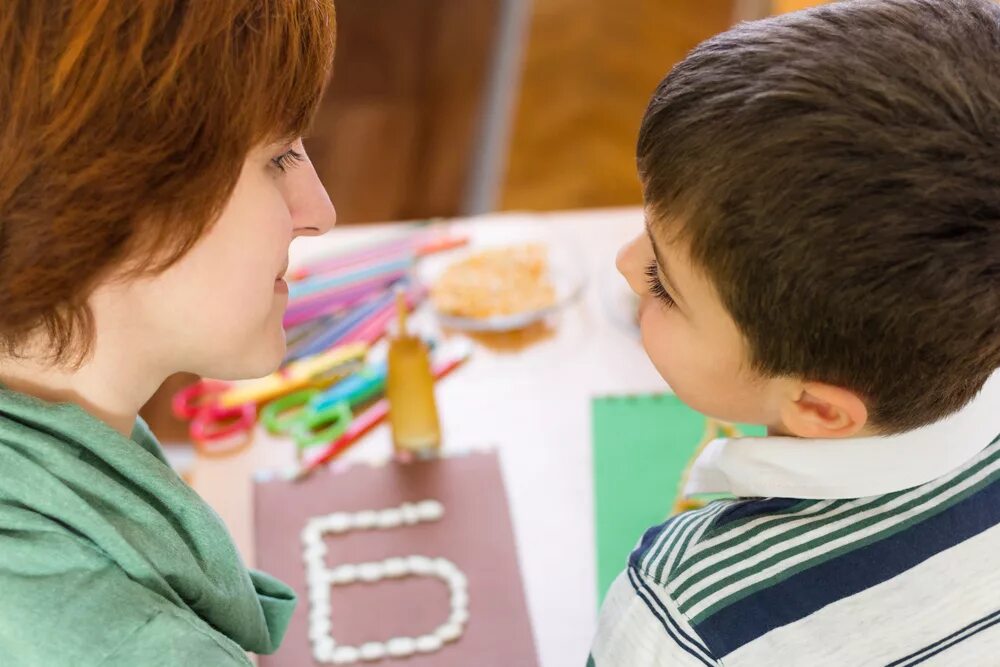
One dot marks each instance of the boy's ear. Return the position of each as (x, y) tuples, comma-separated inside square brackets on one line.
[(824, 411)]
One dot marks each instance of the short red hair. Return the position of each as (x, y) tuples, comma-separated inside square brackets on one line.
[(123, 130)]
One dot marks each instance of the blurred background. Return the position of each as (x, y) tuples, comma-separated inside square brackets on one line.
[(458, 107), (443, 108)]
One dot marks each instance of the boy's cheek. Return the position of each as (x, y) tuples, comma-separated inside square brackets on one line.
[(661, 343), (702, 376)]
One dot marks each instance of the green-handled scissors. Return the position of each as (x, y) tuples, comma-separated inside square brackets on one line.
[(312, 416)]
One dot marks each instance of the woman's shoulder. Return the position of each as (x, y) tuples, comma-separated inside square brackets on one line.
[(67, 603), (169, 638)]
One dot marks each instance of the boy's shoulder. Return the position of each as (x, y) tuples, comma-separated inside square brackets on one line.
[(714, 532), (700, 552), (736, 569)]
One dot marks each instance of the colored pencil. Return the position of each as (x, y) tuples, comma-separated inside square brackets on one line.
[(355, 321), (362, 424), (324, 283), (343, 326), (418, 245), (341, 304), (370, 331), (361, 253)]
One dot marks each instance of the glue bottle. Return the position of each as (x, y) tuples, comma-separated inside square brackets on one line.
[(413, 413)]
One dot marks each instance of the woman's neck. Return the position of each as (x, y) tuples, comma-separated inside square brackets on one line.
[(110, 386)]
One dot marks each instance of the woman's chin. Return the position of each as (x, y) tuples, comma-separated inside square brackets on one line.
[(270, 359), (255, 363)]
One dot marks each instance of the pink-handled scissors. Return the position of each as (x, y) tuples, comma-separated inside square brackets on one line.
[(215, 430), (223, 415)]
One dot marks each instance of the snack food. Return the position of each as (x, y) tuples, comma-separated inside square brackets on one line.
[(496, 282)]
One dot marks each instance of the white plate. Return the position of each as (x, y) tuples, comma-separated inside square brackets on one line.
[(565, 273)]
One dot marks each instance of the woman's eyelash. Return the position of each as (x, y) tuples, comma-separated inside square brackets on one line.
[(656, 287), (288, 159)]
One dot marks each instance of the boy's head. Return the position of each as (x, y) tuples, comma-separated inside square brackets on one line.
[(823, 190)]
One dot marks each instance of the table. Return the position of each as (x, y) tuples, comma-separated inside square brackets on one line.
[(530, 399)]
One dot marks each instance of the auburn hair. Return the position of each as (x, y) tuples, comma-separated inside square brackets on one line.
[(123, 130)]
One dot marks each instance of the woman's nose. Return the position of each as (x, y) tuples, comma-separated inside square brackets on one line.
[(312, 211)]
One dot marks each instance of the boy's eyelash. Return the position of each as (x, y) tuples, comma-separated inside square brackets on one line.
[(288, 159), (656, 287)]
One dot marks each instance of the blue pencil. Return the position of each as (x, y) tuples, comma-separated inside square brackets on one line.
[(309, 286)]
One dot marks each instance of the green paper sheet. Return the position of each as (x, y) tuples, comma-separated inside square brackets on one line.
[(641, 446)]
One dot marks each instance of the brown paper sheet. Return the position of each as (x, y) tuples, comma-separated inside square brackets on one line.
[(475, 534)]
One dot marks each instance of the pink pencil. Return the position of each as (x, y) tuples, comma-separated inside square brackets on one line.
[(346, 291), (416, 246), (397, 244), (312, 312), (306, 309)]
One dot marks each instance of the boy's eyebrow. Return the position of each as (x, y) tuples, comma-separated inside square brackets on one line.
[(668, 283)]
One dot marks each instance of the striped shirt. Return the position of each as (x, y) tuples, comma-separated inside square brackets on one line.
[(887, 553)]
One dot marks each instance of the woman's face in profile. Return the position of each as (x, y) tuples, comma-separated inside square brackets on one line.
[(218, 311)]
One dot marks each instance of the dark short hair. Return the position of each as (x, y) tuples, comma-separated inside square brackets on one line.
[(836, 173)]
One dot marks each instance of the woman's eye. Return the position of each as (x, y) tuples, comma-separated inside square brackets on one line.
[(655, 286), (288, 159)]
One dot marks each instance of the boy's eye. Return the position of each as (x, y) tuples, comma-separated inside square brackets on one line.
[(655, 286), (288, 159)]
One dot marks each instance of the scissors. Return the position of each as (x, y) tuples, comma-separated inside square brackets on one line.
[(221, 434), (223, 415), (312, 416)]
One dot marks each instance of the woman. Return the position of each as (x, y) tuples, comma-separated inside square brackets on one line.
[(152, 177)]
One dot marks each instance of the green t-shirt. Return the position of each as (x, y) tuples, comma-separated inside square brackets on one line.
[(108, 558)]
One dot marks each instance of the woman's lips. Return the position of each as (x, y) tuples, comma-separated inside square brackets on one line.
[(279, 283)]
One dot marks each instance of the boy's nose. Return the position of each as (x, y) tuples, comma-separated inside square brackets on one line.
[(631, 263)]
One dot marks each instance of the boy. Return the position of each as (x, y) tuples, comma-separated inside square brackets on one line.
[(823, 256)]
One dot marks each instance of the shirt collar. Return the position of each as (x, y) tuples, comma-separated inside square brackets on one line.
[(848, 468)]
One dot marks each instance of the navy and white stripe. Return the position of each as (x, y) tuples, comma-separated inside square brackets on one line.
[(904, 577)]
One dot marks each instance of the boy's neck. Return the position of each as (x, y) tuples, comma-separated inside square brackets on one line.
[(780, 431)]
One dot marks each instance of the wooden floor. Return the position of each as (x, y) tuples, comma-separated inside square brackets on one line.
[(589, 70), (782, 6), (396, 135)]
